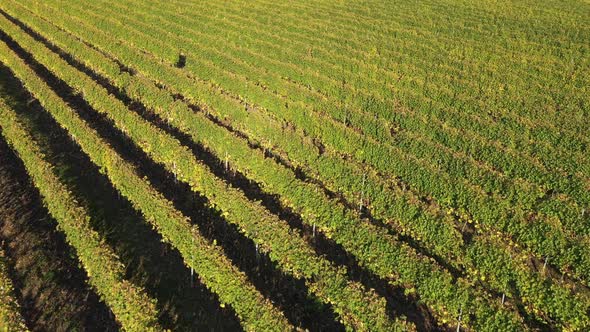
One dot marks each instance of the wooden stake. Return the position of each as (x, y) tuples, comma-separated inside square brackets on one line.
[(362, 194), (174, 170), (460, 317), (545, 265), (226, 162), (192, 270)]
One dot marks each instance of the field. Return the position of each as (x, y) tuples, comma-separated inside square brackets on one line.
[(301, 165)]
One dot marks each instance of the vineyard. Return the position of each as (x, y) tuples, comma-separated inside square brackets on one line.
[(301, 165)]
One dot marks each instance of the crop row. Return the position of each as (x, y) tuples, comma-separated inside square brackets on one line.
[(180, 26), (422, 34), (479, 252), (187, 27), (130, 304), (492, 182), (462, 195), (355, 21), (201, 130), (379, 252), (346, 15), (385, 250), (356, 308), (207, 259), (572, 215), (339, 29), (556, 208), (283, 46)]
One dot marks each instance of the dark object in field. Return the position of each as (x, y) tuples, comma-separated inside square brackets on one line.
[(181, 60)]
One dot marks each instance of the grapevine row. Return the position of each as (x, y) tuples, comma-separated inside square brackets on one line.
[(381, 251), (182, 117), (523, 276), (571, 214), (130, 304), (207, 259), (422, 38), (462, 195), (284, 45), (523, 194), (355, 18), (299, 197), (515, 164), (359, 310)]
